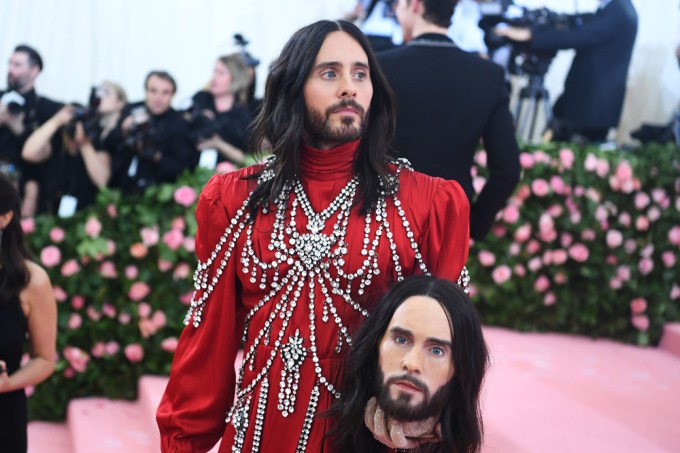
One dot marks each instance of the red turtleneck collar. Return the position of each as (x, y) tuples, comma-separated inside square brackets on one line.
[(329, 164)]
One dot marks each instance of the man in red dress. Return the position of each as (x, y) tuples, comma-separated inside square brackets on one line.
[(294, 253)]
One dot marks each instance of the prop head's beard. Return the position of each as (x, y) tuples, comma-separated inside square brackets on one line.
[(401, 409), (317, 124)]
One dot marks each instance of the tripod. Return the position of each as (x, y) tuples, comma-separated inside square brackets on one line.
[(532, 98)]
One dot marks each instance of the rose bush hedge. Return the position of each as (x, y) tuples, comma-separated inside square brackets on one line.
[(588, 244)]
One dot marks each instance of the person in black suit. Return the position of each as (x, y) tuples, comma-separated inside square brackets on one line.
[(593, 94), (447, 100)]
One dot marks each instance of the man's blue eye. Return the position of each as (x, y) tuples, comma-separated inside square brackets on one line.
[(400, 340), (438, 351)]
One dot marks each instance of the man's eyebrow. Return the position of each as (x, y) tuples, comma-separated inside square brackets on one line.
[(329, 64), (407, 333)]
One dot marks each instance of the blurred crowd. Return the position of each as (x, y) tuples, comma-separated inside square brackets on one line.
[(59, 155)]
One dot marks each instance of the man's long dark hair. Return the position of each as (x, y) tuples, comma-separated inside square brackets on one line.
[(13, 252), (461, 419), (281, 121)]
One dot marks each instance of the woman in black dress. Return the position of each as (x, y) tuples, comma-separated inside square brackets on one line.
[(220, 113), (27, 305)]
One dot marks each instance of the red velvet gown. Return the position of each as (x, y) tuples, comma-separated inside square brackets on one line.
[(296, 337)]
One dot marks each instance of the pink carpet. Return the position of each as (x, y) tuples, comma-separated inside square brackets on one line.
[(545, 393)]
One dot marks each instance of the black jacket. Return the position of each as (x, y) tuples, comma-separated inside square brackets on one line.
[(596, 83), (447, 100)]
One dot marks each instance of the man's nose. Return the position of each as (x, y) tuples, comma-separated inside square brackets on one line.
[(412, 362), (347, 88)]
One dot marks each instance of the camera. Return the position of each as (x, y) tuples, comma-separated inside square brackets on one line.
[(14, 102), (142, 134), (87, 115), (203, 125), (523, 58)]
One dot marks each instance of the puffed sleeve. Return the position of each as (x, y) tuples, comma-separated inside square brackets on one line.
[(445, 241), (192, 412)]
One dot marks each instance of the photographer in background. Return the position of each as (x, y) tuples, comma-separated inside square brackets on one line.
[(219, 114), (156, 145), (91, 135), (595, 87), (22, 111)]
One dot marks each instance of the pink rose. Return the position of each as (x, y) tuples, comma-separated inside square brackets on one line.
[(575, 217), (478, 183), (615, 283), (70, 268), (146, 328), (164, 265), (144, 310), (108, 270), (75, 321), (523, 233), (189, 244), (138, 250), (674, 235), (185, 298), (486, 258), (547, 257), (640, 322), (185, 196), (77, 358), (138, 291), (557, 184), (614, 238), (98, 350), (566, 158), (647, 251), (57, 234), (560, 278), (526, 160), (541, 284), (546, 223), (611, 260), (630, 246), (549, 299), (77, 302), (225, 167), (540, 187), (111, 348), (646, 266), (501, 274), (658, 195), (533, 246), (59, 294), (124, 318), (93, 227), (675, 292), (134, 352), (50, 256), (566, 239), (535, 264), (159, 319), (131, 272), (112, 210), (590, 163), (109, 311), (548, 236), (602, 168), (93, 314), (542, 157), (579, 252), (641, 200), (623, 273), (668, 258), (173, 239), (523, 192), (601, 213), (169, 344), (625, 219), (520, 270), (594, 194), (638, 305), (555, 211), (653, 214), (28, 225), (642, 223), (514, 249), (149, 236), (559, 257), (624, 171), (510, 214), (178, 223), (183, 270), (110, 247), (480, 158)]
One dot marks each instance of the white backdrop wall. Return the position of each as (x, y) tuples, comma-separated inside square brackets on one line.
[(86, 41)]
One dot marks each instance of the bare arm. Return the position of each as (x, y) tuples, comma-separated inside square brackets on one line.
[(38, 297), (29, 206), (97, 164), (38, 148), (228, 150)]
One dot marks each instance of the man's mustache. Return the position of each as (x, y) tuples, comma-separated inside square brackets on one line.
[(410, 379), (344, 104)]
